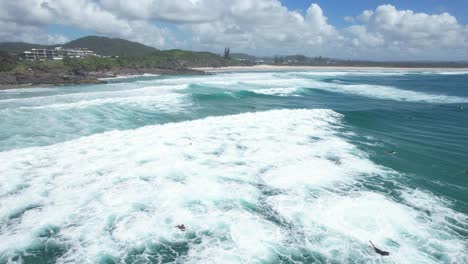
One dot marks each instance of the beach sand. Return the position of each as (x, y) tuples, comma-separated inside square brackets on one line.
[(264, 67)]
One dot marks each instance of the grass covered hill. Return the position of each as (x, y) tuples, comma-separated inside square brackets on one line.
[(19, 47), (111, 46), (100, 45)]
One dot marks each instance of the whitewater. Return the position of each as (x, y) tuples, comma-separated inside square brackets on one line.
[(261, 167)]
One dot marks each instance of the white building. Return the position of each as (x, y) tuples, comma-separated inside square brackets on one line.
[(58, 53)]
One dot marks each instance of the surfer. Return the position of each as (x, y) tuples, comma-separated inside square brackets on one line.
[(378, 251), (392, 152), (181, 227)]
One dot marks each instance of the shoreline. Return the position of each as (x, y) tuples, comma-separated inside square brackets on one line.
[(10, 81), (265, 67)]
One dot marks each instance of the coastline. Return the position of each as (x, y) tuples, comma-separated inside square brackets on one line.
[(44, 79), (265, 67)]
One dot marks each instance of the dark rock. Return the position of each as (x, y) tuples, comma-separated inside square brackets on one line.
[(37, 78)]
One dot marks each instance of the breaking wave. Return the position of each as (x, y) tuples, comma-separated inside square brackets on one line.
[(248, 190)]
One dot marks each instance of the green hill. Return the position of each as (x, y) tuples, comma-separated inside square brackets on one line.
[(111, 46), (186, 59), (100, 45)]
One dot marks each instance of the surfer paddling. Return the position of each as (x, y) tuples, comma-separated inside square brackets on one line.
[(181, 227), (378, 251)]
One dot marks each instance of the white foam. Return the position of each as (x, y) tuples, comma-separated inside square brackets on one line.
[(146, 96), (122, 77), (28, 90), (113, 192), (362, 216), (164, 102), (276, 91), (454, 72), (287, 83), (79, 185), (386, 92), (350, 73)]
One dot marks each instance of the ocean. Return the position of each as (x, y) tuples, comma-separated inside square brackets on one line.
[(260, 167)]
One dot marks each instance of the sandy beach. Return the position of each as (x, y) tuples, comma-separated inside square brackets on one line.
[(264, 67)]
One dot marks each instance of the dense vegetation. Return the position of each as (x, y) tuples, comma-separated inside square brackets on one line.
[(121, 54), (7, 61), (169, 59)]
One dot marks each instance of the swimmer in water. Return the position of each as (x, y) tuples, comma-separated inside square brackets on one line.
[(181, 227), (378, 251)]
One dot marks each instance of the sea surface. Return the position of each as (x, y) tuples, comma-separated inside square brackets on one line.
[(260, 167)]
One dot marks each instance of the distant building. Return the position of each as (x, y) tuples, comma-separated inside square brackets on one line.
[(58, 53)]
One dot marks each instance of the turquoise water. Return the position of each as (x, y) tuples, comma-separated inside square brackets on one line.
[(261, 167)]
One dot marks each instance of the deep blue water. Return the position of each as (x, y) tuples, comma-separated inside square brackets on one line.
[(370, 155)]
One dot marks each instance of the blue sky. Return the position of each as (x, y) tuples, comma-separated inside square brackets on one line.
[(373, 29)]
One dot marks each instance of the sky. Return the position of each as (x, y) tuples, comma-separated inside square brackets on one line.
[(360, 29)]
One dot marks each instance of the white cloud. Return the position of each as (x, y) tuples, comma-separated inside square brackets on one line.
[(264, 27), (84, 14), (349, 19), (365, 16), (405, 34), (11, 31), (180, 11), (57, 39)]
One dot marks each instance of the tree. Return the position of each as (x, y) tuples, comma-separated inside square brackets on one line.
[(226, 53), (300, 58), (7, 61)]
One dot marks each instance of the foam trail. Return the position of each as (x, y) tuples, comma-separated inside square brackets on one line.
[(288, 83), (276, 91), (69, 116), (248, 189), (125, 77), (452, 72), (386, 92), (83, 97), (350, 73), (163, 102)]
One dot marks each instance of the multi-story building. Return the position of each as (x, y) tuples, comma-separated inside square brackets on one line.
[(58, 53)]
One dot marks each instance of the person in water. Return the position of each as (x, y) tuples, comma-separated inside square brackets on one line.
[(378, 251), (181, 227)]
